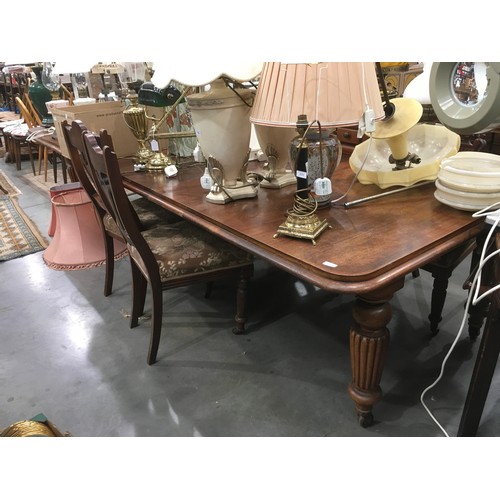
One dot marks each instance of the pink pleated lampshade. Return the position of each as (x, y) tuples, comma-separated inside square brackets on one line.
[(78, 241), (335, 93)]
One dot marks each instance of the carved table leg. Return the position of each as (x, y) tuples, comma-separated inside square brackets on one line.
[(441, 270), (241, 299), (369, 339), (479, 311), (441, 280)]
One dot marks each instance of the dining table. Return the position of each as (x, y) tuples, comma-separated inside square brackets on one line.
[(368, 246)]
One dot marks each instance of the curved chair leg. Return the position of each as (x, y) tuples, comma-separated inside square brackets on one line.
[(156, 321), (139, 287), (109, 250)]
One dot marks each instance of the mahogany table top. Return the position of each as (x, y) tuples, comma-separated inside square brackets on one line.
[(368, 245)]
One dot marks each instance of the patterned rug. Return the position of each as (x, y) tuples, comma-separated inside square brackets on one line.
[(6, 187), (18, 235)]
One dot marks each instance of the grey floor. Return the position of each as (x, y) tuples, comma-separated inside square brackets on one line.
[(67, 351)]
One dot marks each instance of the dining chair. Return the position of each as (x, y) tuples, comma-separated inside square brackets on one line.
[(34, 121), (169, 255), (148, 213), (18, 137)]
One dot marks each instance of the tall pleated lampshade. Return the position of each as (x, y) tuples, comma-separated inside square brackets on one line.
[(334, 94)]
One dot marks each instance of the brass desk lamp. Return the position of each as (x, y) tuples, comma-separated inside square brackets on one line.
[(136, 118)]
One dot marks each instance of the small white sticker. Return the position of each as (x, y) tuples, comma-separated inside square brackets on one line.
[(170, 170), (329, 264), (154, 145), (301, 174), (322, 186)]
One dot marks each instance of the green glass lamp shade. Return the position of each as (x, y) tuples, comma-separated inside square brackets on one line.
[(149, 95), (40, 95)]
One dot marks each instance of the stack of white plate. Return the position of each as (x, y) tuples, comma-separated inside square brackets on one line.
[(469, 181)]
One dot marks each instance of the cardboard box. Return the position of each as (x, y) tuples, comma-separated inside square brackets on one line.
[(102, 115)]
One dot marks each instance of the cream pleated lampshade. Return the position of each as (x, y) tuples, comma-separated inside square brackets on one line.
[(335, 93)]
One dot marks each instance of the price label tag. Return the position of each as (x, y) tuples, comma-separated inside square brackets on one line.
[(301, 174), (154, 145)]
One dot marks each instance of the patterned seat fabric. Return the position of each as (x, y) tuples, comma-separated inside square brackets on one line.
[(150, 214), (183, 248)]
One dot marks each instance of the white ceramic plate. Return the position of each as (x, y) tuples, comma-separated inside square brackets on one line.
[(461, 206), (468, 183), (465, 200), (473, 162)]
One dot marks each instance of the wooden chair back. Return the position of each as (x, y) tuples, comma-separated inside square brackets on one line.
[(32, 120), (67, 94), (29, 104), (106, 174), (73, 137)]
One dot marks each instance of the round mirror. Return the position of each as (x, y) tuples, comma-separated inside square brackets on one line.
[(470, 83), (466, 95)]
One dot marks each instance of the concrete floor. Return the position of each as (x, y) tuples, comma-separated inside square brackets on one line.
[(67, 351)]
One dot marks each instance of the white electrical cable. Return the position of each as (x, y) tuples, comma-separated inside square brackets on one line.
[(333, 202), (472, 298), (367, 106)]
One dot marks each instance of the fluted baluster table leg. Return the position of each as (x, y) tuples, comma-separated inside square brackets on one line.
[(369, 340)]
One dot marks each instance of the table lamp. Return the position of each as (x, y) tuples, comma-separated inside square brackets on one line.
[(327, 95), (40, 95), (220, 118), (404, 151), (312, 99), (136, 118)]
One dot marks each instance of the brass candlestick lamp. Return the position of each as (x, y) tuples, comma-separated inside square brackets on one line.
[(136, 118)]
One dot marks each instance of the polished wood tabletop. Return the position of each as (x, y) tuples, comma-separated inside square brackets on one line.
[(368, 250)]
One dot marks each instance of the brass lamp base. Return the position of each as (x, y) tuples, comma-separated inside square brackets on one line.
[(302, 221), (158, 162), (307, 227), (229, 194), (143, 155)]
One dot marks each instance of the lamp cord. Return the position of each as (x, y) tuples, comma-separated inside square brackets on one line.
[(334, 203), (473, 298), (227, 81)]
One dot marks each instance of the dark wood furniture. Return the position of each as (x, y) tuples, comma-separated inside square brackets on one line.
[(13, 85), (487, 355), (149, 214), (169, 255), (17, 144), (368, 251)]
